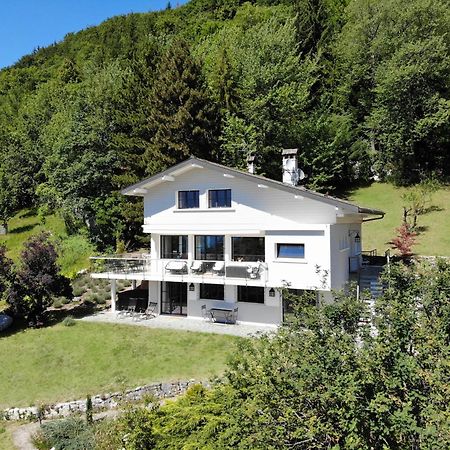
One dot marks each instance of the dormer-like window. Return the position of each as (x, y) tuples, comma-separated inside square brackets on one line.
[(220, 198), (188, 199)]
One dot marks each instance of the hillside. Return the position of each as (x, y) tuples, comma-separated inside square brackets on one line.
[(74, 250), (359, 87), (433, 238)]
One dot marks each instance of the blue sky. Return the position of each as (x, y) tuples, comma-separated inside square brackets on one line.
[(27, 24)]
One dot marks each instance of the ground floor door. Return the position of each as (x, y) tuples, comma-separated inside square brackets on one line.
[(174, 298)]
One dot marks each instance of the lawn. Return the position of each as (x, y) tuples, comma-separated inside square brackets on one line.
[(63, 363), (74, 250), (433, 240)]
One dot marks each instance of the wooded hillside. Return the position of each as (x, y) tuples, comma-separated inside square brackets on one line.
[(360, 87)]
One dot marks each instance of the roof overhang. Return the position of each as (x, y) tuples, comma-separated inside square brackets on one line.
[(169, 175)]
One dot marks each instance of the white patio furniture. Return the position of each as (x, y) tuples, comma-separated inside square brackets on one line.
[(218, 267), (176, 266), (197, 267)]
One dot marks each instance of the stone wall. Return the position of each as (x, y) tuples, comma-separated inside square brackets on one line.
[(100, 402)]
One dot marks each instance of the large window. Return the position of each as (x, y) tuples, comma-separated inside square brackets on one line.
[(220, 198), (295, 251), (248, 249), (174, 247), (212, 291), (188, 199), (251, 294), (209, 248)]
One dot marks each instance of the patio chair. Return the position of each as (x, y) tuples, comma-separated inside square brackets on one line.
[(235, 315), (206, 314), (219, 267), (197, 267), (149, 313)]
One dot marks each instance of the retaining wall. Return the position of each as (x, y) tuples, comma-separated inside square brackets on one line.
[(99, 402)]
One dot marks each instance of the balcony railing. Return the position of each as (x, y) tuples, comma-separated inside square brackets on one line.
[(180, 268)]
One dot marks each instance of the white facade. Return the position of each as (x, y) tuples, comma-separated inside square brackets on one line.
[(322, 232)]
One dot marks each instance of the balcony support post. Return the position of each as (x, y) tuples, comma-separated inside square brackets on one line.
[(113, 295)]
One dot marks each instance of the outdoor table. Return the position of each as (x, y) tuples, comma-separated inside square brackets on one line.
[(222, 315)]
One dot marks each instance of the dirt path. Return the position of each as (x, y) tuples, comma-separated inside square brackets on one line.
[(23, 435)]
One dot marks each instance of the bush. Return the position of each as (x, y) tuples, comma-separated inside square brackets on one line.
[(59, 302), (69, 321), (67, 434), (78, 290)]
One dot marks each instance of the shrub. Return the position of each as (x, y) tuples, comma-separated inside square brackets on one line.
[(67, 434), (69, 321), (59, 302), (89, 415), (78, 290)]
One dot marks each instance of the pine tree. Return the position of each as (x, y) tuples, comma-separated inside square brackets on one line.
[(182, 119)]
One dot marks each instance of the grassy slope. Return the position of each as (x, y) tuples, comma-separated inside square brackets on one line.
[(63, 363), (433, 240), (74, 250)]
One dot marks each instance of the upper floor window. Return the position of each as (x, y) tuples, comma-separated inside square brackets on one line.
[(188, 199), (248, 248), (174, 247), (220, 198), (209, 248), (296, 251)]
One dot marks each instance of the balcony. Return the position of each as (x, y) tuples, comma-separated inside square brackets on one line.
[(183, 270)]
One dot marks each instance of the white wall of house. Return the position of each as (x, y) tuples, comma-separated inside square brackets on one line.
[(253, 208)]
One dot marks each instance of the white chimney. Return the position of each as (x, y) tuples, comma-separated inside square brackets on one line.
[(251, 164), (291, 174)]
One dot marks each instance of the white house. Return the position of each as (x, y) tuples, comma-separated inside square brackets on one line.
[(221, 236)]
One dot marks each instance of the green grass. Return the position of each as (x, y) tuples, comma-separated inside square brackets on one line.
[(74, 250), (434, 240), (62, 363), (6, 429)]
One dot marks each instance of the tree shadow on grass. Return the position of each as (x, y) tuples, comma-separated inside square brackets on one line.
[(30, 213), (23, 229), (53, 317), (422, 229)]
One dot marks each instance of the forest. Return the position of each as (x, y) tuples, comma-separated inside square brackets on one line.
[(361, 87)]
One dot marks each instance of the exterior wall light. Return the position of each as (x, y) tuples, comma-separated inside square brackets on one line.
[(192, 287), (357, 238), (271, 292)]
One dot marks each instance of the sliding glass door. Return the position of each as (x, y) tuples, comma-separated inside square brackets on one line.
[(174, 298)]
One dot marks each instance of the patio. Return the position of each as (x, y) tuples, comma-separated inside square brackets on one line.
[(183, 323)]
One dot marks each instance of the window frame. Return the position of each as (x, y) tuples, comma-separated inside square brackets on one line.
[(185, 244), (244, 298), (188, 191), (218, 287), (228, 198), (204, 237), (290, 257), (248, 258)]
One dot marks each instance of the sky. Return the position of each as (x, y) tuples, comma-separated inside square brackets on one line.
[(27, 24)]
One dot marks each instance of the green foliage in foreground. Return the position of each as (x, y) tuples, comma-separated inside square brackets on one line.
[(324, 382), (433, 236), (70, 362)]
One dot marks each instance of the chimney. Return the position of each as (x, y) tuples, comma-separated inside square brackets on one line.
[(251, 164), (290, 166)]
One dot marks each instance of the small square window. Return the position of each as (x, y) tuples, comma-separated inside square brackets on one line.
[(188, 199), (295, 251), (220, 198), (251, 294)]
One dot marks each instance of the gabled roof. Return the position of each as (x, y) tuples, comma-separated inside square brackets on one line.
[(139, 189)]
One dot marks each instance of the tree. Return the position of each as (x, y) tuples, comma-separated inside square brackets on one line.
[(324, 381), (417, 201), (182, 118), (37, 280), (6, 272), (404, 240)]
